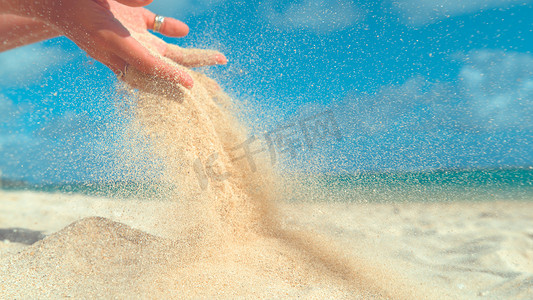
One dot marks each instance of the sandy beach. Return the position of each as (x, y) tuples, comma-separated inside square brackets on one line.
[(437, 250)]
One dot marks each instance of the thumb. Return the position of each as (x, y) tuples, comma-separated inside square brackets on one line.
[(134, 3)]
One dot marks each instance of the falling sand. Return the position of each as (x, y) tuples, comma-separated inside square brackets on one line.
[(221, 237)]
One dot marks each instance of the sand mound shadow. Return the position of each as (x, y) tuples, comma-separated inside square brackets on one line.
[(21, 235)]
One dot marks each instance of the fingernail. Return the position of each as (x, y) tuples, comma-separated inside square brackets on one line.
[(220, 59), (188, 82)]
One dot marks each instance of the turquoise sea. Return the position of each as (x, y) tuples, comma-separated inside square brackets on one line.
[(429, 186)]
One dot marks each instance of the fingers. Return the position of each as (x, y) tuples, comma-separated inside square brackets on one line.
[(152, 42), (117, 65), (112, 61), (135, 3), (134, 54), (170, 27), (194, 57)]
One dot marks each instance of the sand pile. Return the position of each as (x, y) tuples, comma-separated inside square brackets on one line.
[(223, 236), (99, 258), (93, 257)]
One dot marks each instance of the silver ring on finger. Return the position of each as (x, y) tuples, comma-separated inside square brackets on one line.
[(158, 22)]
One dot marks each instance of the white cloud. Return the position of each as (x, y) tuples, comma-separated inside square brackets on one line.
[(22, 65), (420, 12), (416, 106), (11, 116), (499, 87), (11, 113), (7, 108), (482, 118), (13, 140), (493, 91), (319, 16)]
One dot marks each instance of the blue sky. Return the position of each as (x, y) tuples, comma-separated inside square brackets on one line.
[(419, 84)]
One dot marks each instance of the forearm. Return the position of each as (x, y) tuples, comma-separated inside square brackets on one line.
[(24, 22), (18, 31), (36, 9)]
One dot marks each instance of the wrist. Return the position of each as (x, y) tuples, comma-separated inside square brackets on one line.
[(36, 9)]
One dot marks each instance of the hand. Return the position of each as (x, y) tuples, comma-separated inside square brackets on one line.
[(16, 31), (105, 29)]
